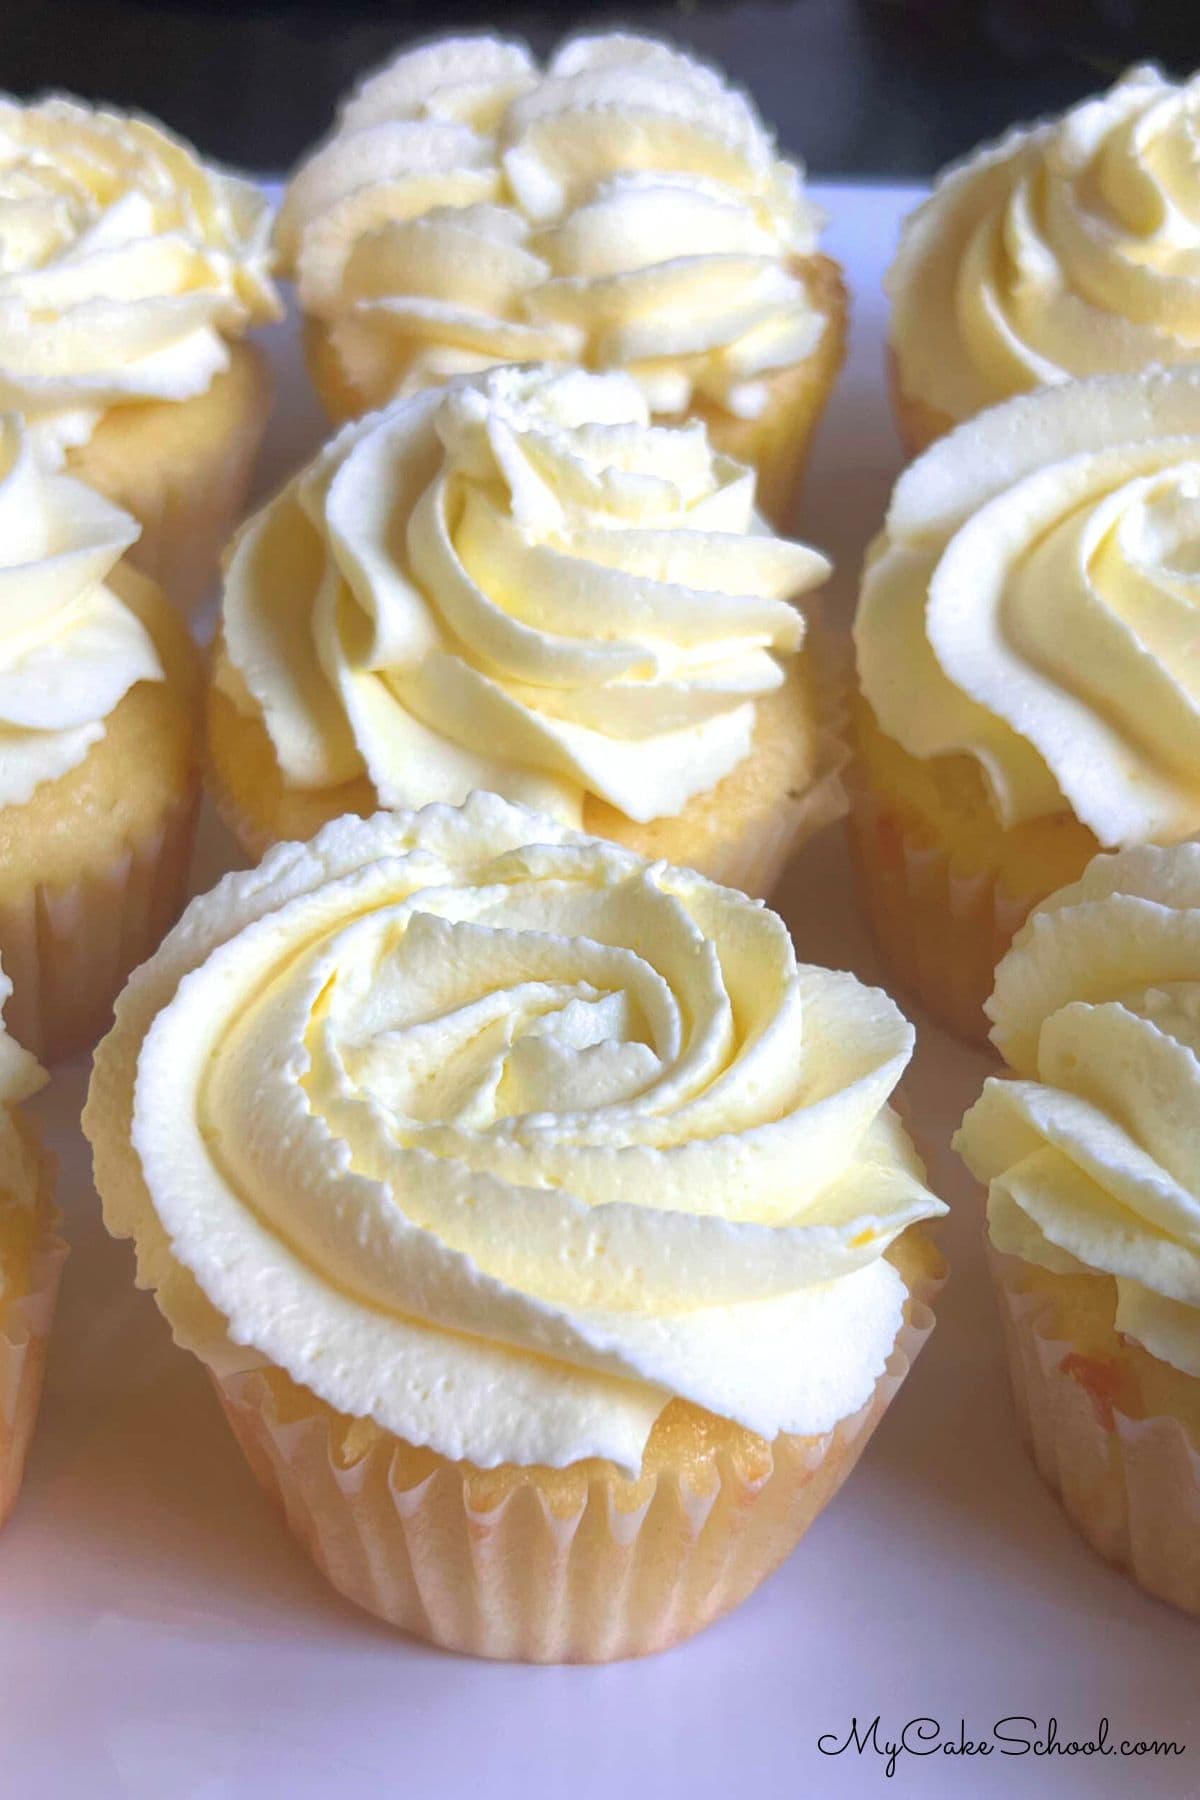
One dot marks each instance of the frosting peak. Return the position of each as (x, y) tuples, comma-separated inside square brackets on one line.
[(70, 648), (623, 208), (1092, 1152), (517, 582), (1034, 600), (125, 263), (503, 1136), (1068, 249)]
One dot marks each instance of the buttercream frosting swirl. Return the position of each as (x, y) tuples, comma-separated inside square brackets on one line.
[(520, 583), (125, 265), (1034, 601), (1092, 1152), (623, 207), (503, 1136), (1069, 249), (70, 647)]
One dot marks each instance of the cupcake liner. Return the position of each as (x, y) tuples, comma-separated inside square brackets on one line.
[(753, 861), (183, 540), (779, 442), (1131, 1487), (68, 950), (756, 861), (623, 1569), (917, 423), (24, 1340), (186, 482), (941, 932)]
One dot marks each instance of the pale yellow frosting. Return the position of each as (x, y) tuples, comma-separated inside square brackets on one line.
[(1092, 1154), (20, 1076), (125, 264), (1068, 249), (518, 583), (1033, 602), (70, 648), (623, 207), (502, 1136)]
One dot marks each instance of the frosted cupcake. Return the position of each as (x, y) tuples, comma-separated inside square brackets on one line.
[(545, 1229), (1069, 249), (520, 583), (1091, 1156), (129, 276), (99, 704), (31, 1259), (622, 208), (1030, 692)]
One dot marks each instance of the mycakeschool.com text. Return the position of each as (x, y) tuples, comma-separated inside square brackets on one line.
[(1014, 1735)]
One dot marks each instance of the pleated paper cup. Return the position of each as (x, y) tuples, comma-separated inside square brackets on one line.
[(1130, 1484), (184, 469), (546, 1566), (941, 932), (68, 949), (917, 423), (742, 833), (25, 1321)]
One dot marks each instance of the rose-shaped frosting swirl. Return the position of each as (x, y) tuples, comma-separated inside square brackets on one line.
[(1092, 1154), (1066, 250), (622, 208), (1034, 602), (125, 264), (519, 583), (20, 1076), (70, 648), (503, 1136)]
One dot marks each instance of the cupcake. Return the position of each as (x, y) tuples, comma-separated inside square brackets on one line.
[(99, 713), (130, 274), (545, 1229), (1030, 692), (518, 582), (1069, 249), (1091, 1158), (31, 1259), (623, 208)]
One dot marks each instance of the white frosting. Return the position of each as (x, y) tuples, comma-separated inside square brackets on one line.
[(516, 583), (70, 648), (502, 1137), (1033, 603), (622, 208), (1092, 1154), (1066, 250), (125, 265)]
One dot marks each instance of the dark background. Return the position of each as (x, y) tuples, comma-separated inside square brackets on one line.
[(856, 87)]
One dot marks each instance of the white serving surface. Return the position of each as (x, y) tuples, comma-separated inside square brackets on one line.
[(161, 1638)]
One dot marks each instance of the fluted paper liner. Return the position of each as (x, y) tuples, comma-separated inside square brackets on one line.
[(69, 950), (941, 933), (1131, 1487), (25, 1322), (527, 1580), (755, 861), (918, 424), (755, 857), (184, 469)]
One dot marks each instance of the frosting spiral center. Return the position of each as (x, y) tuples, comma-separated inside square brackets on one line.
[(518, 582), (503, 1137)]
